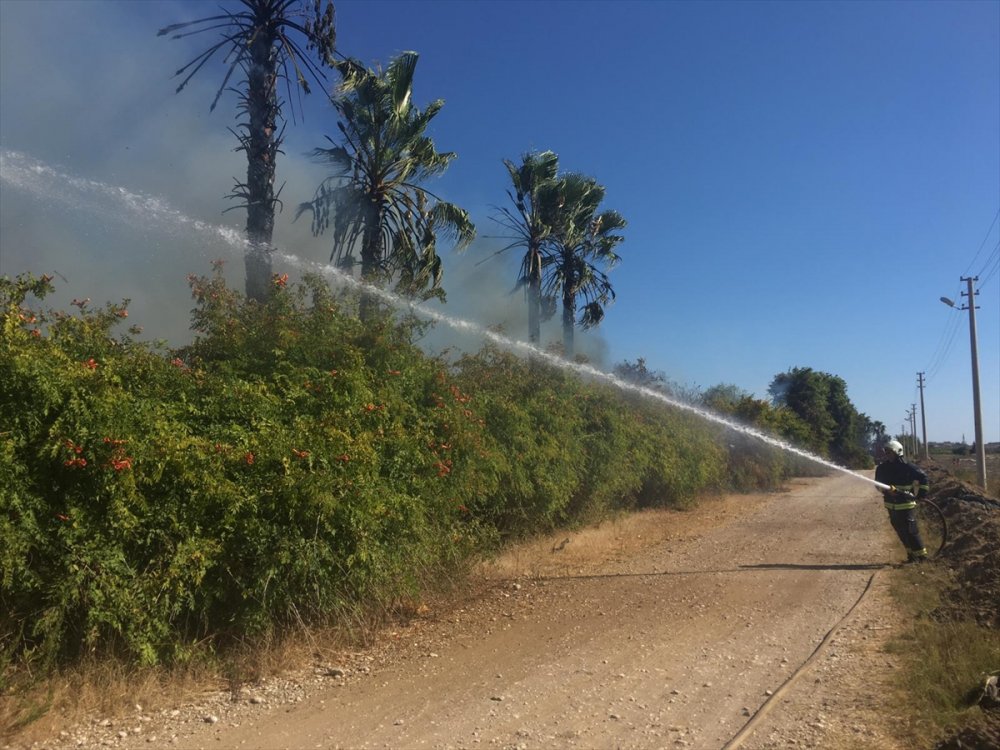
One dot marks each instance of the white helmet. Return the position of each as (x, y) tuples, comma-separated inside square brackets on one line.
[(894, 446)]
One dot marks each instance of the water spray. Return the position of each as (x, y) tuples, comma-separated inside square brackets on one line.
[(29, 174), (531, 350), (25, 173)]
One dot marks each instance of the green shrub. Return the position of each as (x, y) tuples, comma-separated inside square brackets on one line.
[(288, 465)]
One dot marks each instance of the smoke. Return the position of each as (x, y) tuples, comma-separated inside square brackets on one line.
[(480, 287), (107, 174)]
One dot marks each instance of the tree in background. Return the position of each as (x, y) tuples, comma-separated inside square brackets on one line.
[(804, 391), (261, 41), (374, 196), (876, 431), (871, 433), (734, 401), (582, 240), (533, 193), (639, 374), (837, 429)]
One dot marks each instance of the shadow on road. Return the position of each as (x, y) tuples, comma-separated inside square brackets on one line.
[(802, 566), (739, 569)]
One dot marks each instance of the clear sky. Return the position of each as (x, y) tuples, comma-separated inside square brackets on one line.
[(802, 180)]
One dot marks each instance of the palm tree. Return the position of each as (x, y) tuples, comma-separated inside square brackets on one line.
[(260, 40), (533, 196), (582, 240), (374, 196)]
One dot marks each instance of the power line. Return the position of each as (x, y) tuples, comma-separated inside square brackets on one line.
[(989, 269), (989, 276), (994, 261), (944, 344), (983, 243), (946, 352), (948, 341)]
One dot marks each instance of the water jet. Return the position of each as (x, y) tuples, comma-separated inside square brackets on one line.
[(25, 173)]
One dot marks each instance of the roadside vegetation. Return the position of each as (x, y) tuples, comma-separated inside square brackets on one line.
[(303, 463), (291, 466), (961, 462), (951, 641), (944, 660)]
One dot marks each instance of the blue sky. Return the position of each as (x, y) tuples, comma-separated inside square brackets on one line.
[(802, 181)]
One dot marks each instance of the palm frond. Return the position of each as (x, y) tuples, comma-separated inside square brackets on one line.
[(399, 80), (382, 159)]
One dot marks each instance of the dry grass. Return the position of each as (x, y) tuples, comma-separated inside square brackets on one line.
[(32, 711), (35, 709), (612, 540), (944, 661), (964, 468)]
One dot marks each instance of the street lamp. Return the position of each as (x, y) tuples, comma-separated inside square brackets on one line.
[(976, 405)]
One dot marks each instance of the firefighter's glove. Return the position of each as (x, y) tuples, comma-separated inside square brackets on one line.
[(921, 493)]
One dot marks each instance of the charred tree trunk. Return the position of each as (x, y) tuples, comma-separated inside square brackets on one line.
[(261, 143), (568, 309), (371, 260), (534, 295)]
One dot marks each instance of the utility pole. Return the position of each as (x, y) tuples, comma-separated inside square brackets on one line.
[(908, 436), (923, 414), (913, 430), (976, 403)]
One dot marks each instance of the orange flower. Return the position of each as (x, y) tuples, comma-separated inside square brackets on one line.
[(300, 454), (343, 457), (280, 281), (248, 458), (395, 372), (122, 313), (90, 364), (120, 464)]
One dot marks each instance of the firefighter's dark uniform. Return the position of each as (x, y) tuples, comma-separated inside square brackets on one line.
[(901, 476)]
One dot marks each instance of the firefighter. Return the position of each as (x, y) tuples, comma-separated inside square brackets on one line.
[(901, 476)]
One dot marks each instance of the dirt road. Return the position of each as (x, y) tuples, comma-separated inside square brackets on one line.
[(665, 629)]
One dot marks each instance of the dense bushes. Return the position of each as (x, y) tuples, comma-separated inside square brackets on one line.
[(288, 465)]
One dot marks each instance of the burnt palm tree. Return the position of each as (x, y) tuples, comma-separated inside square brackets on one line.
[(533, 193), (583, 241), (375, 201), (263, 40)]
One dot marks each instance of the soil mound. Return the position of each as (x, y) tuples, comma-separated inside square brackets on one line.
[(973, 554), (973, 549)]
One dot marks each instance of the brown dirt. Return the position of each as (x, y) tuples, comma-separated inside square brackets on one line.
[(751, 622), (973, 555)]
